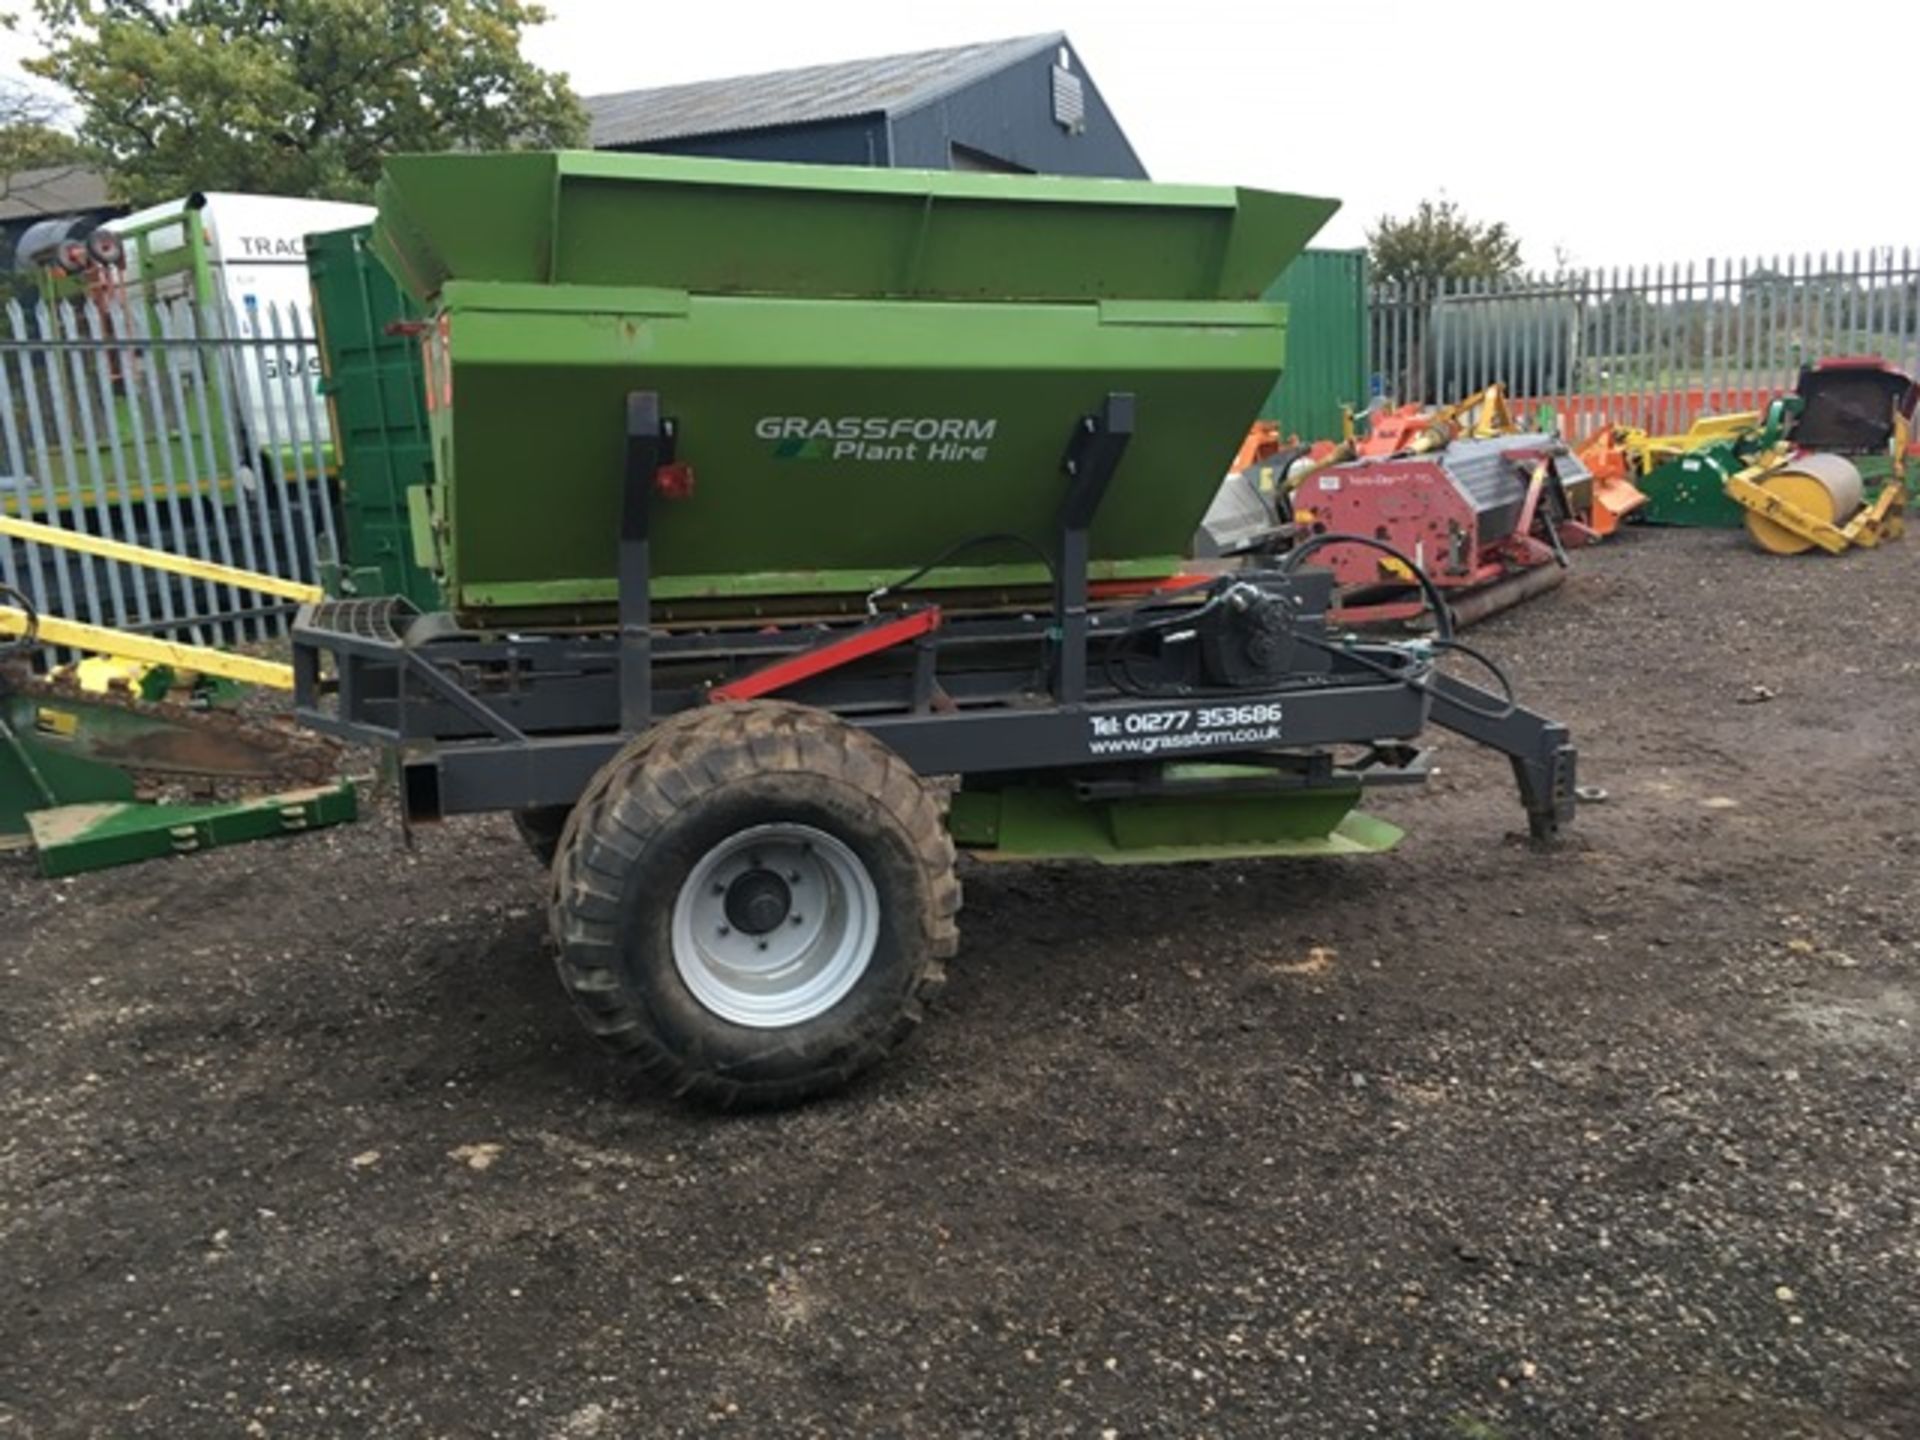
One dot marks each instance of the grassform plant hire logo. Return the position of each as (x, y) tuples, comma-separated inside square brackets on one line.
[(889, 438)]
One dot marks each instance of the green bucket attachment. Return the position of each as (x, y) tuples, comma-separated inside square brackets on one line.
[(866, 368)]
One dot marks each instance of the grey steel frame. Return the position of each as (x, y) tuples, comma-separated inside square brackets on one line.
[(507, 722)]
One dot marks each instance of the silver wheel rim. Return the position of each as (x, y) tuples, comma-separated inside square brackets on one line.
[(775, 925)]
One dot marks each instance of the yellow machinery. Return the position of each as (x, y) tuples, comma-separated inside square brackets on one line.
[(121, 757), (1793, 505), (1417, 430), (1825, 467), (1790, 500), (1649, 452), (144, 650)]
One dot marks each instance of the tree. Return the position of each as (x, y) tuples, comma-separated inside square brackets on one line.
[(30, 139), (296, 97), (1764, 287), (1438, 242)]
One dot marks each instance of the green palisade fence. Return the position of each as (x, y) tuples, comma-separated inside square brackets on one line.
[(1653, 346), (1325, 292)]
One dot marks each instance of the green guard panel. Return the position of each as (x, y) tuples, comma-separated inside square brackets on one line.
[(377, 406), (1042, 821), (865, 367), (1690, 489)]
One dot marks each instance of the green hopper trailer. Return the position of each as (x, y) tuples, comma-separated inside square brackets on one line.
[(798, 526)]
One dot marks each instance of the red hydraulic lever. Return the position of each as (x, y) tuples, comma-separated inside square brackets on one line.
[(792, 669)]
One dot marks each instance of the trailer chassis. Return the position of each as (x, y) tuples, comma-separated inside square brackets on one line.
[(488, 721)]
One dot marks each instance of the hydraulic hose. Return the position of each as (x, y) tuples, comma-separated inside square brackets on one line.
[(908, 581), (28, 638), (1442, 616), (1443, 639)]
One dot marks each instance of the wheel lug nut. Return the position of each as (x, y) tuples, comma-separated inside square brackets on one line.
[(718, 888), (793, 877), (799, 919), (726, 929), (763, 944)]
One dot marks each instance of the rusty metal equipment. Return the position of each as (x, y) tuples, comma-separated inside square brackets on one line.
[(1490, 521), (91, 779), (1612, 465), (1415, 430), (1251, 512)]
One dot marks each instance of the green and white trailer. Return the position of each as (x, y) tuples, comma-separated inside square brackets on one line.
[(216, 284)]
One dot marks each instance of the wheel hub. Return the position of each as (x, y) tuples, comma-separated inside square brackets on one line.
[(758, 901), (775, 925)]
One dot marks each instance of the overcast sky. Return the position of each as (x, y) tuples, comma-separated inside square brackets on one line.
[(1606, 133)]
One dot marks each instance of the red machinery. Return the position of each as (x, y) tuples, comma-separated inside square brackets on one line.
[(1489, 520)]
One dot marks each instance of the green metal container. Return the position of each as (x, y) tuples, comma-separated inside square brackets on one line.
[(866, 367), (1325, 292), (377, 403), (1690, 489)]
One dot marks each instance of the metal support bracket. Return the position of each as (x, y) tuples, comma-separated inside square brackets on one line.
[(650, 445), (1093, 455), (1542, 751)]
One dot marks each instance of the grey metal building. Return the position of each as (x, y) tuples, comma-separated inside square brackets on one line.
[(1011, 106)]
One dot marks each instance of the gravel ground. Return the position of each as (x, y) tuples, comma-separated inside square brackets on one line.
[(1464, 1141)]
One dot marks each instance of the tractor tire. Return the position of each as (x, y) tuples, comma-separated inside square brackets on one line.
[(753, 902), (540, 830)]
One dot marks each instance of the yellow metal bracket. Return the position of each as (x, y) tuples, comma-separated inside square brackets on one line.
[(1885, 519), (145, 649), (1483, 414), (50, 630), (32, 530)]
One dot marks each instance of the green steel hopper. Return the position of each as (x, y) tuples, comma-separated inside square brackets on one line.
[(865, 367), (802, 525)]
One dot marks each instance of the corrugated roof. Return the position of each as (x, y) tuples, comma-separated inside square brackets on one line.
[(54, 190), (890, 85)]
